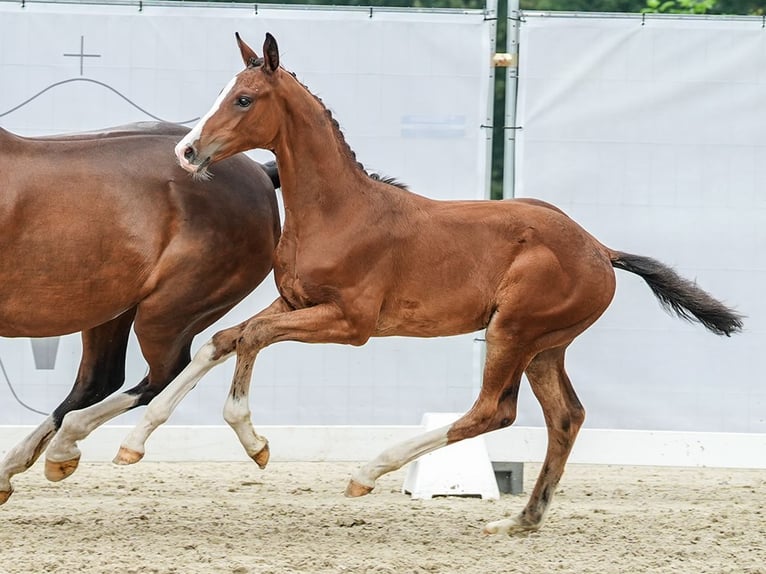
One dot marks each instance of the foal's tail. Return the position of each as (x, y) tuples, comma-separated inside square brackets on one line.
[(679, 295)]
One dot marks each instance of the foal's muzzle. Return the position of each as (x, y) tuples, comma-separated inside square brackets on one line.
[(188, 158)]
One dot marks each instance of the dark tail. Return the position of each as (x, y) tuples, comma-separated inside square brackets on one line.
[(270, 167), (679, 295)]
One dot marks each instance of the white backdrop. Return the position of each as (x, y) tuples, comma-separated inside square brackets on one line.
[(410, 90), (652, 135)]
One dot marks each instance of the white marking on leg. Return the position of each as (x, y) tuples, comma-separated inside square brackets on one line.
[(25, 453), (236, 412), (77, 425), (196, 131), (398, 455), (163, 405), (510, 526)]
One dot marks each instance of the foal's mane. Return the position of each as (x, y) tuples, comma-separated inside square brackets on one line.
[(344, 144)]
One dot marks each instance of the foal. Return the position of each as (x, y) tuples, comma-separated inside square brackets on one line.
[(361, 258)]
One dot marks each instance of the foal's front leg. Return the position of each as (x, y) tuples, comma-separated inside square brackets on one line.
[(161, 407), (320, 324), (236, 411), (213, 352)]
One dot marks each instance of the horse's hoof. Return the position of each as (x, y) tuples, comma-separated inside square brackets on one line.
[(55, 471), (5, 495), (355, 490), (261, 458), (127, 456)]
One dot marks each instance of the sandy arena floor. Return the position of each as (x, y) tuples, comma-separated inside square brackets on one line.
[(232, 518)]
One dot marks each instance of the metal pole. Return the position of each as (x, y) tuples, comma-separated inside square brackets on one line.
[(490, 15), (511, 81)]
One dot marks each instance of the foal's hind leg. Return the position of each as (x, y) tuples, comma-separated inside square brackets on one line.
[(564, 416), (494, 408)]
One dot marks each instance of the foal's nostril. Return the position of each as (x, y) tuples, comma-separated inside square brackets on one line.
[(189, 153)]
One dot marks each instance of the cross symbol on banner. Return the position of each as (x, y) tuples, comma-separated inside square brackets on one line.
[(82, 55)]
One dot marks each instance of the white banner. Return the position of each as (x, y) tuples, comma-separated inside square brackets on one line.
[(651, 133), (410, 90)]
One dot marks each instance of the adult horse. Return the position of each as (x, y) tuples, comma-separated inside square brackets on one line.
[(362, 258), (101, 231)]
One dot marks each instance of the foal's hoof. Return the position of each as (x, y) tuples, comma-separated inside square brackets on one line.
[(127, 456), (5, 495), (55, 471), (355, 490), (261, 458), (510, 526)]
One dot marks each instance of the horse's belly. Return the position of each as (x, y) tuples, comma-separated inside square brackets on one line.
[(41, 297), (47, 316)]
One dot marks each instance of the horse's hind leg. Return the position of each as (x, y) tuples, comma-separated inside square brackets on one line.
[(564, 416), (165, 340), (101, 372)]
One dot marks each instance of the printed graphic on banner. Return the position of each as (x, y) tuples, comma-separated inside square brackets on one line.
[(74, 67)]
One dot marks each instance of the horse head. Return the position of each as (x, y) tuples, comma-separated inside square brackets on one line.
[(244, 116)]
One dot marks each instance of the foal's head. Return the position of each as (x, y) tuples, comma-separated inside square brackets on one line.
[(244, 115)]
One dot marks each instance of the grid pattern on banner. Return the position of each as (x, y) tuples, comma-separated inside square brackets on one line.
[(410, 90)]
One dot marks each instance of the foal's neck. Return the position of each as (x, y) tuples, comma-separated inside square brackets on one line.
[(317, 168)]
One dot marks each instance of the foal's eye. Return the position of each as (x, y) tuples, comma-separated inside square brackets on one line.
[(244, 101)]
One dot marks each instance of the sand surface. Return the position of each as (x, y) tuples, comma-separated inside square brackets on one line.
[(232, 518)]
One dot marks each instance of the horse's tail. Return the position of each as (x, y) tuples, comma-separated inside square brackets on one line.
[(679, 295), (270, 167)]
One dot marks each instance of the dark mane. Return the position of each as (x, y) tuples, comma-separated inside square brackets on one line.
[(342, 139), (389, 180)]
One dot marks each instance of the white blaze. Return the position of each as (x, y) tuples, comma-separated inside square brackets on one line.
[(193, 135)]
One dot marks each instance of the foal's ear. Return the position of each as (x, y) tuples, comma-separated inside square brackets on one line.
[(270, 53), (249, 57)]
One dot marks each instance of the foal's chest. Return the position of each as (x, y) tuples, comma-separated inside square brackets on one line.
[(294, 284)]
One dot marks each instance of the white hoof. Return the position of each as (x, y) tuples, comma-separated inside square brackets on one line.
[(509, 526)]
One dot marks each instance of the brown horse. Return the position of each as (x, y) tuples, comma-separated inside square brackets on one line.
[(360, 258), (101, 231)]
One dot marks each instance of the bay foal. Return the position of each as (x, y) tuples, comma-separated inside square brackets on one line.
[(102, 232), (361, 258)]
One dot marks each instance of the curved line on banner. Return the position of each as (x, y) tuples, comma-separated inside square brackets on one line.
[(13, 391), (103, 85)]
